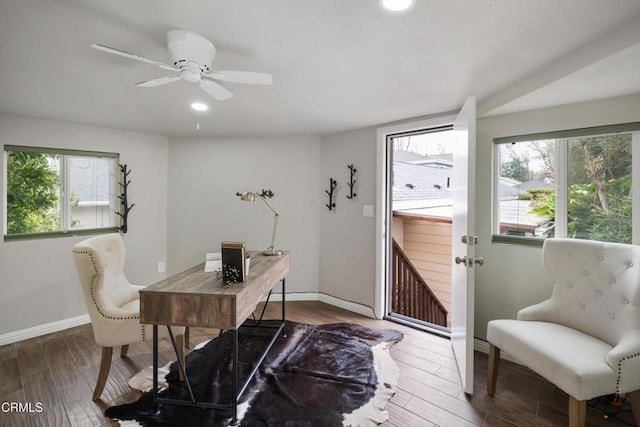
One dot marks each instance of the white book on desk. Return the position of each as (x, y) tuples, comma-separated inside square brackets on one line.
[(213, 262)]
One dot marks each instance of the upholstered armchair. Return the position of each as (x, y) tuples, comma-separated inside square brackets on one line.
[(585, 339), (112, 302)]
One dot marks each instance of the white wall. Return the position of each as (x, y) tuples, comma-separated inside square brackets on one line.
[(204, 175), (513, 276), (38, 283), (332, 252), (347, 245)]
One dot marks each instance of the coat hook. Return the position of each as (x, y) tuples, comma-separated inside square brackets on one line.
[(351, 182), (126, 207), (332, 186)]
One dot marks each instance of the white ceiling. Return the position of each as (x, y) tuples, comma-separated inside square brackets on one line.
[(336, 64)]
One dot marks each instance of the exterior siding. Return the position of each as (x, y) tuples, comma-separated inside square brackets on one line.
[(427, 243)]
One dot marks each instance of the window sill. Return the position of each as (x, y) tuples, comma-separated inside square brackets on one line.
[(517, 240), (55, 234)]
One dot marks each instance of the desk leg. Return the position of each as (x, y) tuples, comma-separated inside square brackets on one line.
[(234, 380), (284, 332), (182, 369), (155, 367)]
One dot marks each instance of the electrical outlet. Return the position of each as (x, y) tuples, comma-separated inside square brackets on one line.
[(161, 267)]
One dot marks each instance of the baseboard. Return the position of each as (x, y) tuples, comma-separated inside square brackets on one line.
[(483, 347), (347, 305), (328, 299), (295, 296), (36, 331)]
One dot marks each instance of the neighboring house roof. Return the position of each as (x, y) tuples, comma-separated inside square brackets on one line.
[(509, 181), (534, 183), (421, 182), (90, 180), (407, 156), (446, 156), (436, 163), (508, 188), (421, 189), (517, 212), (437, 160), (511, 188)]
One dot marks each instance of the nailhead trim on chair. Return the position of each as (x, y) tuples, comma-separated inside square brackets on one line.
[(620, 369), (93, 297)]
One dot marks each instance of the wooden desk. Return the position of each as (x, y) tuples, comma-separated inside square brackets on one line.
[(195, 298)]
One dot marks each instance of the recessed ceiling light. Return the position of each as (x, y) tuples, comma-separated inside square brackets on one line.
[(396, 5), (199, 106)]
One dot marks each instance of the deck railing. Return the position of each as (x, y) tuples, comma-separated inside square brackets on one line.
[(410, 294)]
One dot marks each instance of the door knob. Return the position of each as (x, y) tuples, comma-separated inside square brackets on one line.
[(462, 260), (479, 261)]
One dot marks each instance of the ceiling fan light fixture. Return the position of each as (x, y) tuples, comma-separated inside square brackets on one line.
[(397, 6), (192, 56), (199, 106)]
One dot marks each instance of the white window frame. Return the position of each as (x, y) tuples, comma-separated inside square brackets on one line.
[(65, 195), (561, 138)]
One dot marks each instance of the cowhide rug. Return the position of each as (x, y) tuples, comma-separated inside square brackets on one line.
[(326, 375)]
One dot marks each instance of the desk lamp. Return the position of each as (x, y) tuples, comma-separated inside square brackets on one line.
[(248, 196)]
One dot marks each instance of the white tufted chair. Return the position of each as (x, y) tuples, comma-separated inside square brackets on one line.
[(112, 302), (585, 339)]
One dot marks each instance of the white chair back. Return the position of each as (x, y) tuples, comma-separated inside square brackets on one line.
[(596, 286)]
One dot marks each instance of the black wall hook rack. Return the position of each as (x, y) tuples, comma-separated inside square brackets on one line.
[(352, 181), (332, 186), (126, 207)]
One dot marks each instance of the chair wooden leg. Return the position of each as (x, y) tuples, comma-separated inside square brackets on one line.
[(180, 339), (186, 337), (105, 366), (123, 350), (634, 397), (577, 412), (492, 374)]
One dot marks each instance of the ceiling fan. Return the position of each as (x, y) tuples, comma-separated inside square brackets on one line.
[(192, 56)]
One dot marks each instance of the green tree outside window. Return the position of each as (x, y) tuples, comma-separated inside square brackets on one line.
[(33, 193)]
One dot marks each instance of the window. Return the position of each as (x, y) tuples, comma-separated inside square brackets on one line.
[(575, 184), (51, 192)]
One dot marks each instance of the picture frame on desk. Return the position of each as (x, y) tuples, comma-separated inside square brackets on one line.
[(233, 262)]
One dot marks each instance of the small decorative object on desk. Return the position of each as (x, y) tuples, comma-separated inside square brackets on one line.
[(213, 262), (233, 262)]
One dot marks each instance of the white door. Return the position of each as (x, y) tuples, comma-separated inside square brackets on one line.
[(464, 262)]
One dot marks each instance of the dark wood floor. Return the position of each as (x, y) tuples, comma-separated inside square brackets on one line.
[(59, 371)]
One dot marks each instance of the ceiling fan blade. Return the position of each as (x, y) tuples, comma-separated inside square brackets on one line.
[(133, 56), (242, 77), (215, 90), (158, 82)]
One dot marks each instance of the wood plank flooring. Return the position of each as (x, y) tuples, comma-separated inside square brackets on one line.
[(59, 371)]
